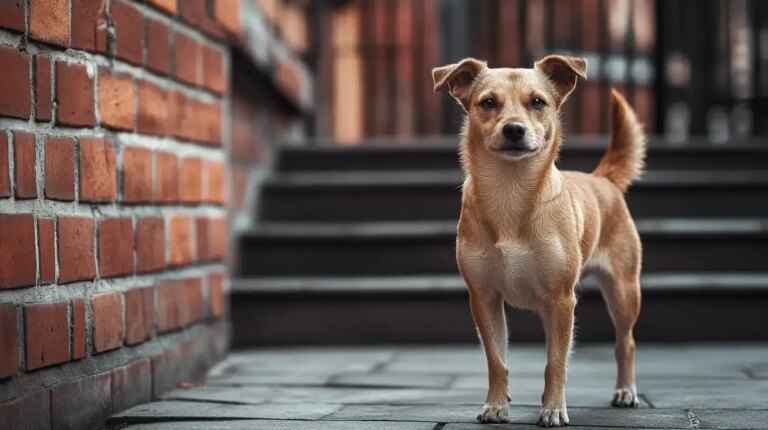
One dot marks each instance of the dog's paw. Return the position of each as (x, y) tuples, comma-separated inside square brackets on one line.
[(494, 414), (625, 398), (553, 418)]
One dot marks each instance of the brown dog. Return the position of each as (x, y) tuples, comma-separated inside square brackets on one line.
[(527, 230)]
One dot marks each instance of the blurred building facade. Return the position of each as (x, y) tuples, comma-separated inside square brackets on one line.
[(689, 67)]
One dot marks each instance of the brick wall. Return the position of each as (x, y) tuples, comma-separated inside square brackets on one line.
[(114, 129)]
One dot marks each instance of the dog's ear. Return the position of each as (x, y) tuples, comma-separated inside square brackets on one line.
[(563, 72), (458, 77)]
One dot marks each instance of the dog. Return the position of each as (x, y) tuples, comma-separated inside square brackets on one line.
[(527, 231)]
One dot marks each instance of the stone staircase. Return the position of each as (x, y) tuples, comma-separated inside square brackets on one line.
[(356, 245)]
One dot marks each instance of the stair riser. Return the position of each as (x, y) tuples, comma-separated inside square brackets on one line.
[(376, 203), (424, 256), (261, 321), (569, 160)]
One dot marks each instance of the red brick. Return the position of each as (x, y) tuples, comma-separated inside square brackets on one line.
[(46, 334), (171, 306), (17, 251), (24, 164), (84, 403), (191, 180), (196, 14), (116, 100), (128, 31), (131, 385), (158, 41), (192, 11), (49, 21), (150, 244), (149, 311), (107, 321), (287, 79), (59, 168), (167, 187), (153, 109), (42, 88), (188, 59), (9, 348), (202, 234), (5, 176), (12, 14), (30, 411), (167, 6), (139, 315), (213, 69), (217, 294), (74, 94), (137, 175), (45, 234), (14, 86), (208, 122), (228, 16), (76, 257), (115, 247), (98, 172), (220, 237), (89, 25), (239, 181), (176, 113), (180, 239), (216, 185), (78, 329), (193, 289)]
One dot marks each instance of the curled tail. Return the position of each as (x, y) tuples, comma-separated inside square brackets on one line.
[(625, 158)]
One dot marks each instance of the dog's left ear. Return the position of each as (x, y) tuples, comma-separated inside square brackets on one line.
[(459, 77), (563, 72)]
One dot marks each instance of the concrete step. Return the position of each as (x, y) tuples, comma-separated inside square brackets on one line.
[(428, 248), (677, 306), (435, 194), (579, 153)]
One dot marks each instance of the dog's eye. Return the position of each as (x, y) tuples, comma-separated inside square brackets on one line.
[(538, 103), (487, 103)]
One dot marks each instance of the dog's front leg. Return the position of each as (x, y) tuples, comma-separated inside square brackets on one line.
[(557, 315), (488, 312)]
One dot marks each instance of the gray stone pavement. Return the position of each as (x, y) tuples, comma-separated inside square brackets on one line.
[(681, 386)]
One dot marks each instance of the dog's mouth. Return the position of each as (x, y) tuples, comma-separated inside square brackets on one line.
[(515, 151)]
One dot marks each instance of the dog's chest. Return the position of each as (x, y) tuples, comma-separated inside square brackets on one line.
[(519, 270)]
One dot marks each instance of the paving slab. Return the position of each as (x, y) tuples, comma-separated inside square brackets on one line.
[(217, 394), (283, 425), (602, 417), (182, 410), (731, 419), (242, 379), (702, 386), (391, 380)]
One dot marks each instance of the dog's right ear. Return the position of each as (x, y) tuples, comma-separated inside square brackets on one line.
[(458, 77)]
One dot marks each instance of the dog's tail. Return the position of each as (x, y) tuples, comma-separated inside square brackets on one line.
[(625, 158)]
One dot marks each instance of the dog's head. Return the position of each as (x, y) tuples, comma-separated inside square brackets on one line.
[(513, 113)]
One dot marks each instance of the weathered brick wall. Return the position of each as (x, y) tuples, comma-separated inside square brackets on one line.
[(114, 129)]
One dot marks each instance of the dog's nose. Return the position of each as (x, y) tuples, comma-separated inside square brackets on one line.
[(513, 131)]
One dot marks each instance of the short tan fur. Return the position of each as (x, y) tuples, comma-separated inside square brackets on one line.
[(527, 230)]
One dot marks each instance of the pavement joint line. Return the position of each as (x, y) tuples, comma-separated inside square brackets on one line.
[(647, 400), (750, 374)]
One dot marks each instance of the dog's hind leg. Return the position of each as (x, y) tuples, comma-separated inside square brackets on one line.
[(488, 312), (622, 297)]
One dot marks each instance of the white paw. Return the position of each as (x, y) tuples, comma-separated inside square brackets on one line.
[(494, 413), (625, 398), (553, 418)]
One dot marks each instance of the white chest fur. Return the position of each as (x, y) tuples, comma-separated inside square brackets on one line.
[(519, 270)]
